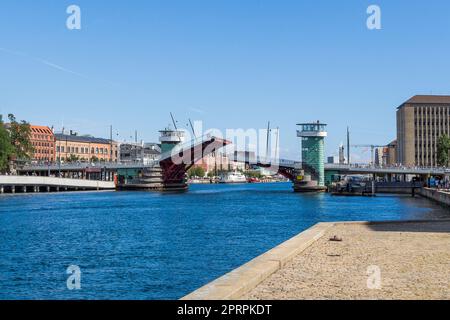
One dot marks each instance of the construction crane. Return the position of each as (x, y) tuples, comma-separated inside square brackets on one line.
[(372, 148)]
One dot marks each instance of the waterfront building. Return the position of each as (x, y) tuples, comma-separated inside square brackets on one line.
[(391, 158), (70, 147), (217, 162), (420, 122), (381, 156), (143, 153), (43, 141)]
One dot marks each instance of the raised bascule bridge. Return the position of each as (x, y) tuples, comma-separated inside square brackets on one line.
[(166, 173), (303, 176)]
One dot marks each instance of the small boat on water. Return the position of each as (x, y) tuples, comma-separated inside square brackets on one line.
[(233, 177), (352, 187), (254, 180)]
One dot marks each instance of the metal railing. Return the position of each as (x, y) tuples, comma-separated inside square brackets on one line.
[(189, 145)]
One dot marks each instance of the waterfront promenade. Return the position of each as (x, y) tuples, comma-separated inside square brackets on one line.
[(412, 260)]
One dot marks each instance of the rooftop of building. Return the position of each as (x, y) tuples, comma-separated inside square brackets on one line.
[(41, 129), (152, 151), (35, 129), (85, 139), (427, 99), (393, 143)]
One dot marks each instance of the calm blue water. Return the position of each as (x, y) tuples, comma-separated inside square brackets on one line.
[(135, 245)]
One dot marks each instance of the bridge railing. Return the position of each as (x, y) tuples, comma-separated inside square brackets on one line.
[(399, 169), (86, 165), (194, 145), (267, 161)]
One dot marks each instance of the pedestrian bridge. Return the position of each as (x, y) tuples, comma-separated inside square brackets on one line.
[(281, 165), (13, 184), (285, 165), (399, 170)]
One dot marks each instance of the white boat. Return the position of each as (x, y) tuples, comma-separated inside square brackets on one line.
[(233, 177)]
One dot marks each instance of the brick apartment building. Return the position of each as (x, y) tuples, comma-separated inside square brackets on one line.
[(43, 141)]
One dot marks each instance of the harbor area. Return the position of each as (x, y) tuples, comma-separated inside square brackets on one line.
[(406, 260)]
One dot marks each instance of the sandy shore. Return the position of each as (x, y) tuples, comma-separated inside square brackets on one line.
[(374, 261)]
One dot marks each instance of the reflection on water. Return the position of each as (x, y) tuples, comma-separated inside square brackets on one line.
[(135, 245)]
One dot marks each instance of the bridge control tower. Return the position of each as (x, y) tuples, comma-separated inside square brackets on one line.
[(313, 157), (170, 138)]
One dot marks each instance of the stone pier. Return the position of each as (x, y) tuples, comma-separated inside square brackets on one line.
[(440, 196), (13, 184), (406, 260)]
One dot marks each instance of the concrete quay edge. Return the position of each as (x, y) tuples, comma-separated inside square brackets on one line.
[(242, 280)]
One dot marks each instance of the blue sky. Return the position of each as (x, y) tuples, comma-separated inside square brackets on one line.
[(232, 64)]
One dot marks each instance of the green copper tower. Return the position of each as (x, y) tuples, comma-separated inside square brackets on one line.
[(313, 157)]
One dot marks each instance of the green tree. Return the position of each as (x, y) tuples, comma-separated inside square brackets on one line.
[(196, 172), (73, 158), (254, 174), (94, 159), (443, 148), (20, 136), (6, 149)]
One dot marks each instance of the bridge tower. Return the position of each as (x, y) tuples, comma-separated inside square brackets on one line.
[(313, 157), (170, 138)]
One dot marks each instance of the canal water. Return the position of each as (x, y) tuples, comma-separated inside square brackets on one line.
[(135, 245)]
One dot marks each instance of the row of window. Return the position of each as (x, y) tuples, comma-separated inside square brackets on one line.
[(43, 144), (428, 123), (41, 130), (80, 159), (82, 150), (426, 161), (432, 111), (426, 137), (41, 137), (425, 144), (43, 151)]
